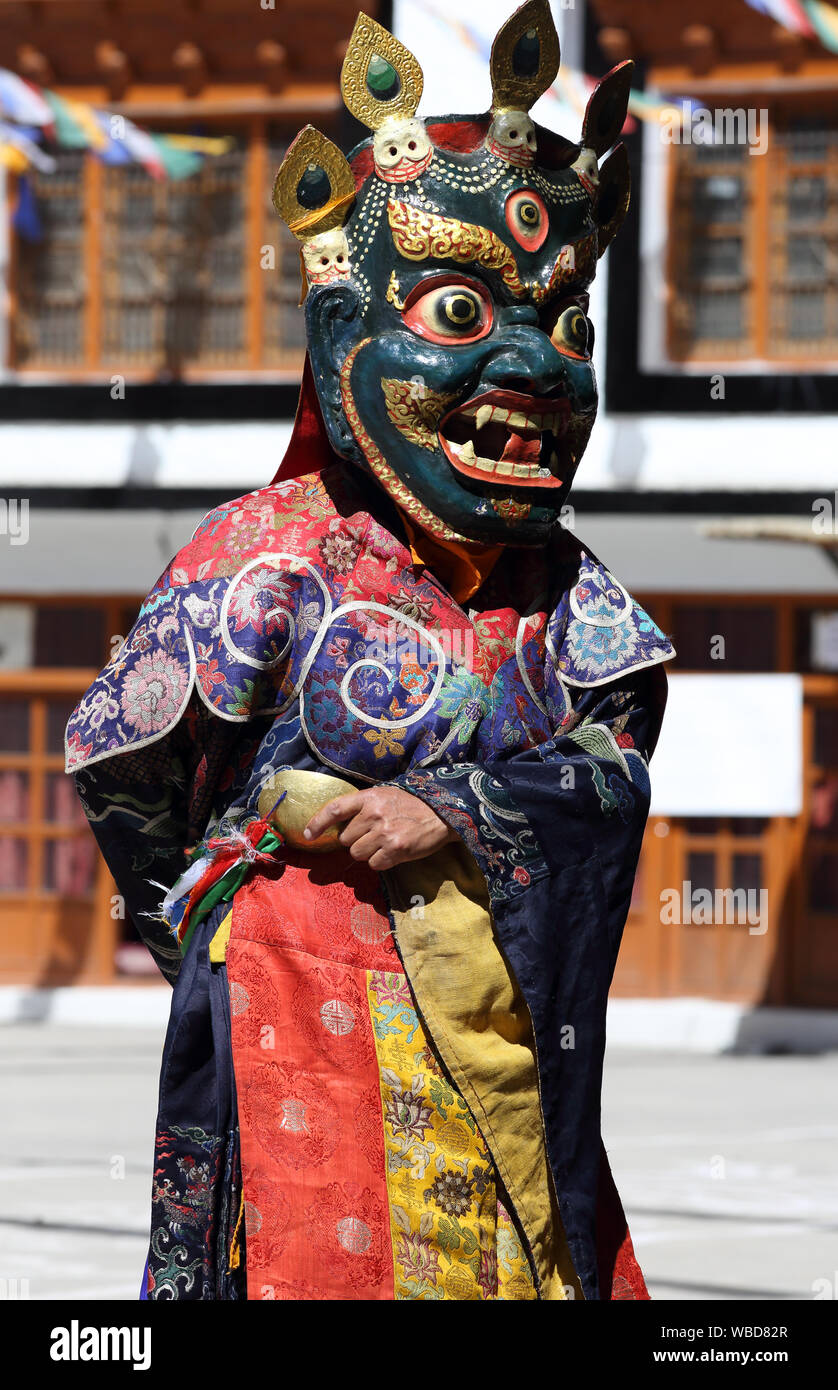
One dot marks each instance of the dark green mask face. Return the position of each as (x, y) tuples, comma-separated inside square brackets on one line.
[(447, 272), (461, 346)]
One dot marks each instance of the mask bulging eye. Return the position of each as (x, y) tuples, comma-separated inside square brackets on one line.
[(572, 332), (448, 312), (460, 309), (527, 219)]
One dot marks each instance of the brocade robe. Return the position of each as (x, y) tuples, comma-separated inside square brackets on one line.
[(295, 632)]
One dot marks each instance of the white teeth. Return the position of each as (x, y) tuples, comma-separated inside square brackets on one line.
[(501, 467), (515, 419)]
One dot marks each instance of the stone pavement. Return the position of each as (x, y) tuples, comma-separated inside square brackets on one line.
[(725, 1163), (726, 1166)]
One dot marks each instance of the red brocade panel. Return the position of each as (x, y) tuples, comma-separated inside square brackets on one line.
[(316, 1214)]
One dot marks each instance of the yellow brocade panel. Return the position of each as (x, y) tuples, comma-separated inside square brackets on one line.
[(482, 1030), (452, 1239)]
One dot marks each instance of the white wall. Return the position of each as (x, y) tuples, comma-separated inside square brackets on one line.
[(670, 453), (730, 746), (238, 456)]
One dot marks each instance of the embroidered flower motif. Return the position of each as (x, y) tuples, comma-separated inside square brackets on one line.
[(242, 539), (308, 619), (390, 988), (481, 1177), (339, 552), (200, 610), (625, 741), (464, 700), (140, 641), (337, 650), (255, 599), (594, 651), (384, 742), (412, 606), (207, 670), (487, 1278), (453, 1192), (414, 680), (330, 709), (77, 751), (99, 707), (408, 1114), (520, 875), (153, 692), (417, 1257)]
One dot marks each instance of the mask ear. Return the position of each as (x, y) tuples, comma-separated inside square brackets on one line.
[(612, 196), (606, 110), (333, 328)]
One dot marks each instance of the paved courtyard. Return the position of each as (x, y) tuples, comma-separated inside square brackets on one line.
[(726, 1166)]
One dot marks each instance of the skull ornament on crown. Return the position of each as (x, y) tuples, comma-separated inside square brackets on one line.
[(447, 263)]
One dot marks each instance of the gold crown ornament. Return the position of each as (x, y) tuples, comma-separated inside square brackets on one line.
[(314, 192), (381, 84)]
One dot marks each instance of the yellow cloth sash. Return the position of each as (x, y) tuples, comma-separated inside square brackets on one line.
[(482, 1030)]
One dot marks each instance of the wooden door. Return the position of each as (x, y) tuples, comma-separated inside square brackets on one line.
[(55, 927), (643, 965), (710, 913)]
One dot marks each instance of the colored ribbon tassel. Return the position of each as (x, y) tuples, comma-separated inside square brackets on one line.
[(217, 869)]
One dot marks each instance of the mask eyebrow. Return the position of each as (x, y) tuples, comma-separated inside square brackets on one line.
[(418, 235)]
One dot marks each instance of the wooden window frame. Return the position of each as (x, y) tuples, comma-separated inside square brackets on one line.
[(760, 246), (262, 228), (786, 606)]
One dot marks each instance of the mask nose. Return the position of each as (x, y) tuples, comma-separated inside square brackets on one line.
[(518, 313), (525, 359)]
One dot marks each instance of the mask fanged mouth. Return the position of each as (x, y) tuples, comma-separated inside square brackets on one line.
[(504, 436)]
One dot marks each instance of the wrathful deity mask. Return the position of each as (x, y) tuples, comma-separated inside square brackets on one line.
[(446, 264)]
